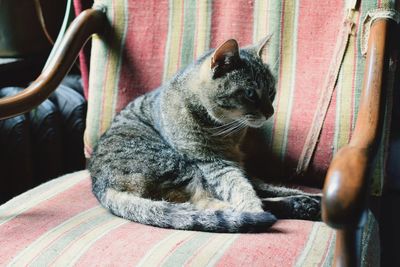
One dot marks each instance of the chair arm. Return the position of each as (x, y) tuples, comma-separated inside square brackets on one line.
[(347, 182), (89, 22), (345, 189)]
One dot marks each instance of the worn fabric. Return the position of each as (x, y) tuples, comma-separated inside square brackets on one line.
[(148, 41), (61, 222)]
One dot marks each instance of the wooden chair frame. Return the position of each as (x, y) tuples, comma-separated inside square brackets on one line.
[(345, 191)]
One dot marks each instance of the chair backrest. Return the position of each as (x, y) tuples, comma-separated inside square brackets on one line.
[(148, 41)]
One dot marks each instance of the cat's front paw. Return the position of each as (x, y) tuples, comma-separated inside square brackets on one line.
[(304, 207)]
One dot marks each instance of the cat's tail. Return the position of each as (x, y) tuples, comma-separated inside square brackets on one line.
[(183, 216)]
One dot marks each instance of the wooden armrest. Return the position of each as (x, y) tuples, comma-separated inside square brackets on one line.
[(87, 23), (346, 187)]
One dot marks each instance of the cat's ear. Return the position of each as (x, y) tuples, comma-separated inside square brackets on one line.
[(225, 58), (261, 48)]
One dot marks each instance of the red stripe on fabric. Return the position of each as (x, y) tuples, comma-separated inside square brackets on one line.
[(77, 6), (84, 56), (124, 246), (143, 60), (315, 45), (232, 19), (287, 240), (18, 233), (84, 59), (81, 5)]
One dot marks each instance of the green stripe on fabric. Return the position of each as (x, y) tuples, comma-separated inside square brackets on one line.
[(345, 93), (260, 22), (308, 245), (188, 33), (172, 50), (47, 239), (74, 251), (228, 240), (161, 250), (274, 28), (337, 136), (179, 256), (261, 16), (81, 228), (119, 22), (388, 4), (98, 70), (203, 27), (104, 72), (124, 28), (212, 251), (98, 65), (317, 246), (286, 81), (35, 196), (274, 57), (328, 261)]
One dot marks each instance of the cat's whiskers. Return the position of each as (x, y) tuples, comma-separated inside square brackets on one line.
[(223, 125), (232, 127)]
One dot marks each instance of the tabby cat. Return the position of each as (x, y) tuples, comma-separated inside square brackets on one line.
[(173, 157)]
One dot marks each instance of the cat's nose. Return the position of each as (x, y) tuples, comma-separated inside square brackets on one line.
[(268, 111)]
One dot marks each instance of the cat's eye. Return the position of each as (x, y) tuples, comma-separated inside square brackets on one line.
[(250, 94), (251, 82)]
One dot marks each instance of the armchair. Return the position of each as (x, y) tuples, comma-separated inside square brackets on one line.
[(140, 44)]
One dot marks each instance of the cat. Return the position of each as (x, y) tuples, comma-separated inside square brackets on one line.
[(172, 158)]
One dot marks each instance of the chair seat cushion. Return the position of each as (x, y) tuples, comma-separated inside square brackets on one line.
[(61, 222)]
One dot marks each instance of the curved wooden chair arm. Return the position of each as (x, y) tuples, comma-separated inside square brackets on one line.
[(346, 187), (89, 22)]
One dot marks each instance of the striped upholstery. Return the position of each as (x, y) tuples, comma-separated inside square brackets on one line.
[(61, 223), (150, 40)]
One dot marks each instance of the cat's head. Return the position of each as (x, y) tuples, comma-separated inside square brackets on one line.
[(240, 86)]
